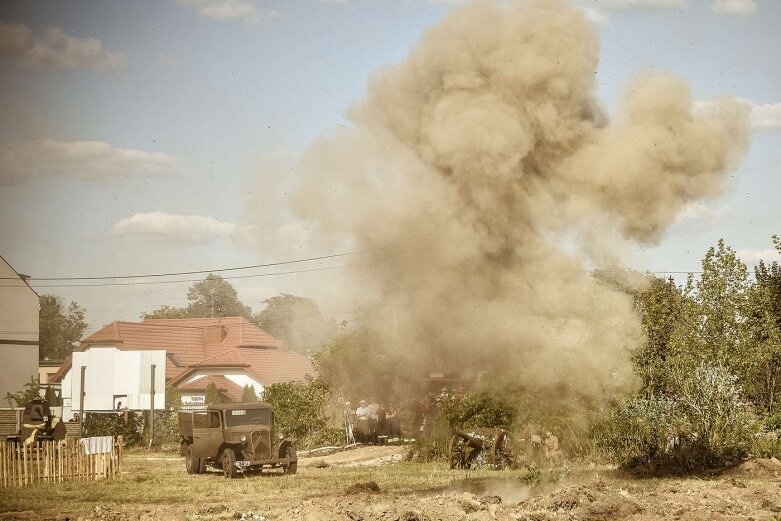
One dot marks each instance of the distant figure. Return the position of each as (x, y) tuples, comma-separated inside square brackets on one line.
[(362, 423), (553, 452), (362, 411), (119, 406), (392, 422), (75, 418), (382, 423), (533, 445), (349, 422)]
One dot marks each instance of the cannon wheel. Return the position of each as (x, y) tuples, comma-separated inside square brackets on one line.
[(457, 452), (504, 456)]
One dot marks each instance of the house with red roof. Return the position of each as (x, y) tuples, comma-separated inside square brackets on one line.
[(230, 352)]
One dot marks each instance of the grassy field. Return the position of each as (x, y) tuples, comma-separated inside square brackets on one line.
[(155, 486), (156, 479)]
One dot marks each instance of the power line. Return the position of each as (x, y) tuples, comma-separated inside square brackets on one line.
[(199, 272), (144, 322), (149, 283)]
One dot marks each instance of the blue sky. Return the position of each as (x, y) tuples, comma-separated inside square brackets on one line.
[(146, 137)]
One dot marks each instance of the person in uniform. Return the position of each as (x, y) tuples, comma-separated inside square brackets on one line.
[(553, 454)]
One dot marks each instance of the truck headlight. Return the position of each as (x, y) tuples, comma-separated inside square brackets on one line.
[(243, 438)]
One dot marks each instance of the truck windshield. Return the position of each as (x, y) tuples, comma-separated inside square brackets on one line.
[(249, 416)]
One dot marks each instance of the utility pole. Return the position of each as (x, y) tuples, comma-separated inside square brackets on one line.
[(152, 413), (81, 401)]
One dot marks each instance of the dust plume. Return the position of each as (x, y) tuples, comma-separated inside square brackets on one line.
[(486, 182)]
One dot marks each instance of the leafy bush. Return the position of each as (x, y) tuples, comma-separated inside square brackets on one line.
[(477, 409), (298, 407), (705, 425), (325, 437), (166, 428), (113, 424), (427, 449)]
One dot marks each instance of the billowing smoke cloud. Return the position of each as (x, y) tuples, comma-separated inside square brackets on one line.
[(486, 182)]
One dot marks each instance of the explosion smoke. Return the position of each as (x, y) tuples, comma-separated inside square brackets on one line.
[(472, 164)]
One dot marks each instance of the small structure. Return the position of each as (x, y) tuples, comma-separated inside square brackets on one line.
[(114, 380), (19, 328)]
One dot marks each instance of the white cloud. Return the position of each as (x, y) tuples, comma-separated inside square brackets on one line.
[(699, 210), (24, 161), (244, 11), (175, 227), (634, 4), (734, 7), (53, 49), (594, 15), (750, 256), (765, 117)]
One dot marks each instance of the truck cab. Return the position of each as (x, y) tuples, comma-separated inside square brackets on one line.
[(234, 438)]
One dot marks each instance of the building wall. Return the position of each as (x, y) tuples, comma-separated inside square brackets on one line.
[(18, 332)]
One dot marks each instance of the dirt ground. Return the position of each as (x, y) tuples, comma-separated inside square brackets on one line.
[(752, 491), (373, 483)]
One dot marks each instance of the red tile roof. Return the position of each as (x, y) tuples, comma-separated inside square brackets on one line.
[(227, 342)]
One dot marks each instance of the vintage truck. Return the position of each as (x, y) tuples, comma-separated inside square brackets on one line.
[(234, 437)]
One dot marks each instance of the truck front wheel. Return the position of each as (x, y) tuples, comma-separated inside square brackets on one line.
[(228, 461), (292, 467)]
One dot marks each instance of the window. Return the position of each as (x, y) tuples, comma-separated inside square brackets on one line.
[(214, 419), (249, 416)]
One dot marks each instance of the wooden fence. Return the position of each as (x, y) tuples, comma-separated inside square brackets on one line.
[(56, 462)]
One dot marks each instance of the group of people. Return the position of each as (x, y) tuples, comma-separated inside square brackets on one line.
[(372, 423), (539, 448)]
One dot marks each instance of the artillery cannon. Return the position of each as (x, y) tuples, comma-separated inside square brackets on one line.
[(38, 424), (492, 448)]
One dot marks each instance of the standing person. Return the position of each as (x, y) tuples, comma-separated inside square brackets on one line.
[(552, 450), (363, 418), (382, 425), (349, 423), (533, 444), (392, 422)]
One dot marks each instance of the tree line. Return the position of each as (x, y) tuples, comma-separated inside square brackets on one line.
[(296, 320)]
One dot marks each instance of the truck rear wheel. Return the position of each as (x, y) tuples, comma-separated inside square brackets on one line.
[(229, 463)]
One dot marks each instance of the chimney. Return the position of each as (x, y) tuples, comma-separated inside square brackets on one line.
[(215, 334)]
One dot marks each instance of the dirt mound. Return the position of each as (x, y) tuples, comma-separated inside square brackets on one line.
[(759, 468), (589, 502), (369, 486)]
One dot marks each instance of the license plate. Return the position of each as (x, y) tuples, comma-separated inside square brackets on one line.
[(242, 463)]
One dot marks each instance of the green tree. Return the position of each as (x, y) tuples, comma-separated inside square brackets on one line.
[(354, 366), (212, 394), (31, 389), (60, 329), (722, 304), (210, 297), (666, 315), (248, 394), (764, 335), (298, 321), (215, 297), (166, 312)]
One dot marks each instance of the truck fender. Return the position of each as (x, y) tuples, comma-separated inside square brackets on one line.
[(283, 445)]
